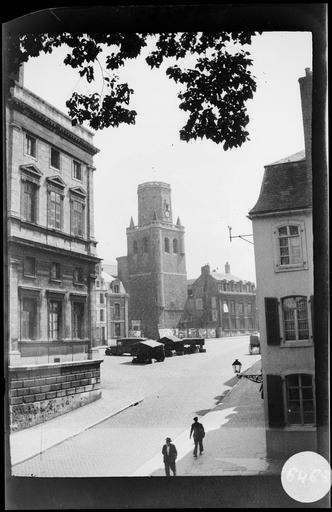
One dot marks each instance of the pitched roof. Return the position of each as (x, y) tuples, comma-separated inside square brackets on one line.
[(286, 185), (226, 277), (191, 281), (300, 155)]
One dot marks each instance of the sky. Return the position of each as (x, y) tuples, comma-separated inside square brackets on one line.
[(211, 188)]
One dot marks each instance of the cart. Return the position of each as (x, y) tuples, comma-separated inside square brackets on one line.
[(254, 343)]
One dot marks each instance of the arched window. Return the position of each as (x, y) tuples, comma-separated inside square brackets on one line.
[(135, 247), (295, 318), (166, 244), (145, 245), (175, 245)]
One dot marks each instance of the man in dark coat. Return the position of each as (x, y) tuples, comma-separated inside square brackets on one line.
[(198, 432), (169, 452)]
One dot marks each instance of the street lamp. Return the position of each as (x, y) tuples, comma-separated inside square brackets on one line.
[(237, 365)]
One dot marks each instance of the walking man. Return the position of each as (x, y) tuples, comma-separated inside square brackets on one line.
[(169, 452), (198, 432)]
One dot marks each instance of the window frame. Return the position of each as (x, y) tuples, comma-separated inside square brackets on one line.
[(57, 276), (303, 263), (297, 340), (34, 323), (166, 245), (286, 388), (27, 136), (117, 310), (74, 164), (50, 202), (175, 246), (80, 280), (78, 327), (53, 148), (58, 300), (75, 221), (25, 272)]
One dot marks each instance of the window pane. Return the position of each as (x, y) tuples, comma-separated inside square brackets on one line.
[(308, 405), (292, 380), (308, 418), (294, 394), (283, 231), (293, 230), (29, 318), (283, 242), (294, 418), (306, 380)]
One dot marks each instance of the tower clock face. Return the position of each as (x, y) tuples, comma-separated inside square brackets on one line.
[(167, 213)]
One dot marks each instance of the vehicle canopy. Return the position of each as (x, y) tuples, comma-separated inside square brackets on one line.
[(193, 341), (171, 341), (148, 347)]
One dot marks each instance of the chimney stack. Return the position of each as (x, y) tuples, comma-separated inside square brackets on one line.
[(306, 101), (227, 268), (205, 270)]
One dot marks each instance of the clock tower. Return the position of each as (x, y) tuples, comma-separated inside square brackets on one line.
[(155, 263)]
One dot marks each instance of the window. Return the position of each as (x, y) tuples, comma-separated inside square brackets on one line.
[(29, 201), (77, 170), (78, 320), (249, 308), (102, 315), (54, 319), (242, 324), (295, 318), (166, 244), (55, 210), (29, 266), (175, 245), (117, 328), (77, 219), (241, 308), (199, 304), (30, 145), (55, 270), (97, 284), (116, 288), (232, 306), (214, 315), (226, 322), (300, 400), (190, 292), (101, 298), (78, 275), (29, 318), (290, 247), (145, 245), (55, 158), (135, 247), (213, 302), (116, 310), (103, 337)]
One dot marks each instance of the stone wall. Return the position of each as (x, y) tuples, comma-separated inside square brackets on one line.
[(41, 392)]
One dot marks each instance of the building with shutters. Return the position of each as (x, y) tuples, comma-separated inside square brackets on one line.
[(111, 307), (219, 304), (154, 270), (51, 261), (283, 238)]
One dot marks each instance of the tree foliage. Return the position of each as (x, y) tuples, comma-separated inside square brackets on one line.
[(213, 92)]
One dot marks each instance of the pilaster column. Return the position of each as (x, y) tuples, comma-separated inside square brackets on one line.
[(14, 313), (91, 306)]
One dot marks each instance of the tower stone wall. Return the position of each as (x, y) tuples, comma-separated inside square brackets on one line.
[(155, 262)]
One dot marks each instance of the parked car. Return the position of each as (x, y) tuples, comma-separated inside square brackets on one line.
[(192, 345), (146, 350), (123, 346), (254, 343), (172, 345)]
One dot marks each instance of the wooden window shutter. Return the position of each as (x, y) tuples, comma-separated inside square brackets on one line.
[(275, 401), (272, 321)]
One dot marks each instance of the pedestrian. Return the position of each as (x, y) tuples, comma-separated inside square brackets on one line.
[(198, 432), (169, 452)]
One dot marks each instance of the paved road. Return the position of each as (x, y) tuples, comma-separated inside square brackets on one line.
[(174, 392)]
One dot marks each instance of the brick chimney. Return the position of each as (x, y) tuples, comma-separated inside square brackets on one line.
[(306, 100), (227, 268)]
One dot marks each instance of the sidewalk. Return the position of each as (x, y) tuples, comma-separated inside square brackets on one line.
[(234, 443), (32, 441)]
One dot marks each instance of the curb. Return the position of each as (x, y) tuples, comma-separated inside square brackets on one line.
[(79, 431)]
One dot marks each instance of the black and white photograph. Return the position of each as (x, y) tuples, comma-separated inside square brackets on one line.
[(166, 257)]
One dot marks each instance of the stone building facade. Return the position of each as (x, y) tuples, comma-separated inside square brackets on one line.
[(154, 270), (219, 304), (283, 236), (111, 308), (51, 251)]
